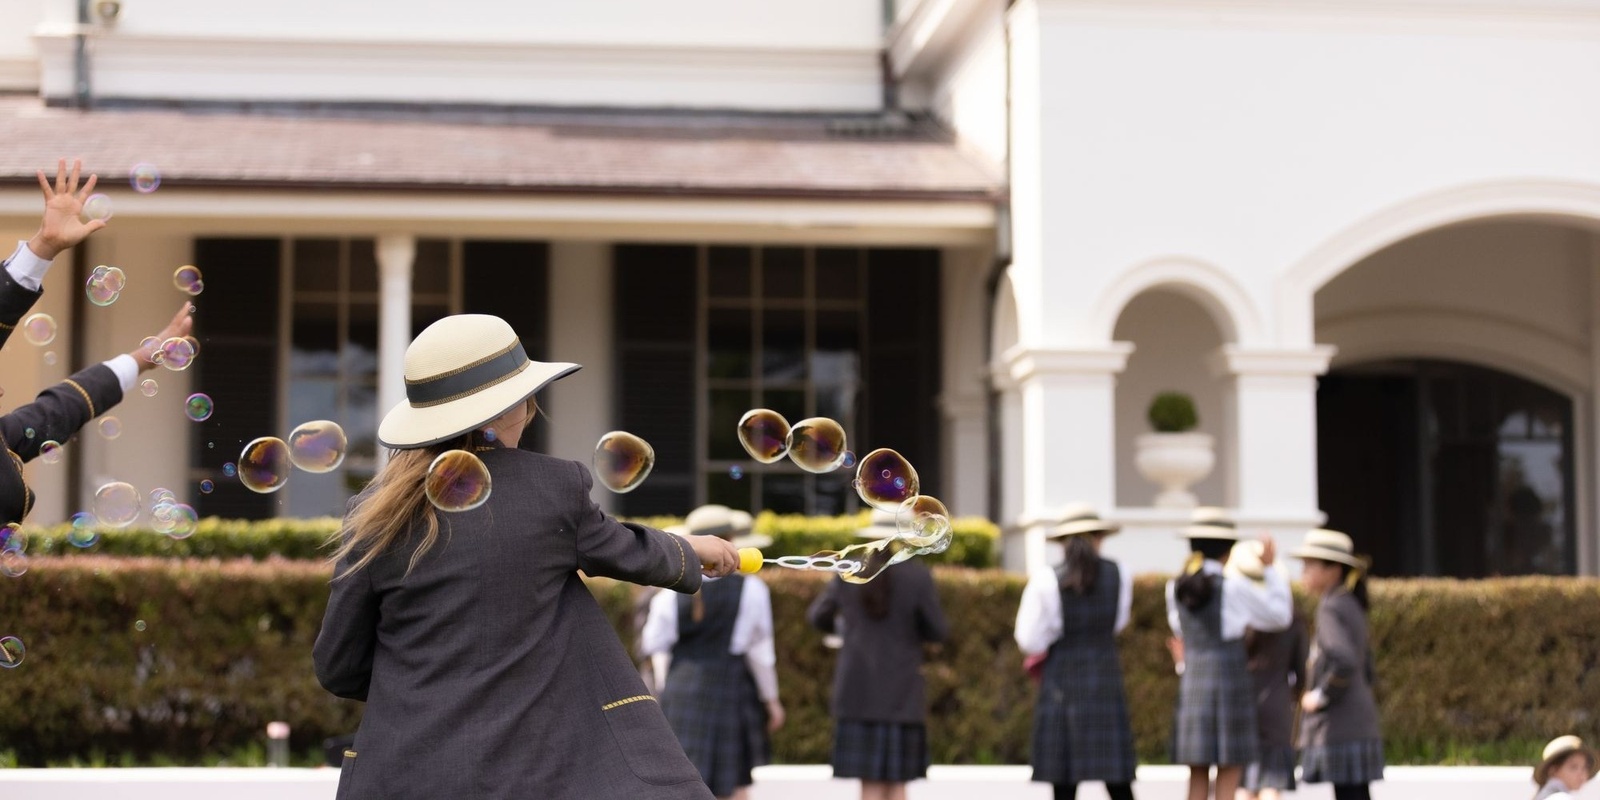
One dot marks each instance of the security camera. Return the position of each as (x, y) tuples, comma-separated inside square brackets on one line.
[(108, 10)]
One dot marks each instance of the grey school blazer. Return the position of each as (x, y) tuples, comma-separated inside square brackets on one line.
[(1341, 666), (490, 671)]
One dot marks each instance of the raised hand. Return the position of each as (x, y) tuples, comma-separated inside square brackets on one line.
[(62, 227), (180, 326)]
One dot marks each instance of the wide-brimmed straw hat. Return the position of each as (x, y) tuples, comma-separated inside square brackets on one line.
[(1326, 545), (462, 372), (1081, 519), (723, 522), (1245, 561), (884, 525), (1557, 750), (1210, 522)]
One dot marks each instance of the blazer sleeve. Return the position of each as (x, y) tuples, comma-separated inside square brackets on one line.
[(15, 300), (628, 552), (349, 637), (59, 411), (824, 610), (931, 624), (1340, 647)]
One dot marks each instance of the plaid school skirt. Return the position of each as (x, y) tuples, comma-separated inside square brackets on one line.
[(1273, 769), (1216, 718), (893, 752), (714, 709), (1343, 763)]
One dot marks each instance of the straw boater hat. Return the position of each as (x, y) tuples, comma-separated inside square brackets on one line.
[(1326, 545), (724, 522), (1081, 519), (1557, 750), (462, 372), (884, 525), (1245, 561), (1210, 522)]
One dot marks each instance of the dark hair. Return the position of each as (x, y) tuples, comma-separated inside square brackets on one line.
[(876, 595), (1194, 588), (1081, 568), (1359, 591)]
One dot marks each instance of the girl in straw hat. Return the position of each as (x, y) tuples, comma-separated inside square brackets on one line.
[(1277, 663), (1072, 614), (1339, 738), (720, 686), (487, 667), (879, 709), (1564, 768), (1209, 611)]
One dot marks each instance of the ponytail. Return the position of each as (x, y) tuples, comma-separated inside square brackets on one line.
[(1355, 582), (1194, 588), (1081, 570)]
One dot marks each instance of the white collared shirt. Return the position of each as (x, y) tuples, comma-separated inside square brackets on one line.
[(752, 634), (27, 269), (1039, 614), (1267, 606)]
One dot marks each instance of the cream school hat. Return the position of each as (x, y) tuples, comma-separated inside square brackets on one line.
[(1558, 749), (1080, 519), (1245, 561), (721, 521), (1326, 545), (883, 525), (1210, 522), (462, 372)]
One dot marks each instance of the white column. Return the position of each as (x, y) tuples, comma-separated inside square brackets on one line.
[(1068, 447), (581, 406), (1275, 463), (396, 253)]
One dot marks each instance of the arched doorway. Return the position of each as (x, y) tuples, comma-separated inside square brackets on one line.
[(1446, 426), (1446, 468)]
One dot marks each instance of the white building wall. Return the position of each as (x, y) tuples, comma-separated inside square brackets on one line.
[(966, 87), (19, 61), (580, 408)]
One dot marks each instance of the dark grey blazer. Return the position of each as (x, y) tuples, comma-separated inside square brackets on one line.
[(879, 675), (55, 415), (1341, 666), (490, 671)]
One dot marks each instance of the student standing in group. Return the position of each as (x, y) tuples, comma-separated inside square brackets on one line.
[(879, 706), (1072, 613), (1277, 663), (1339, 738), (1209, 611), (487, 667), (1564, 768), (720, 689)]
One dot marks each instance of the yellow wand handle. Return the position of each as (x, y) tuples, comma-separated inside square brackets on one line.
[(750, 560)]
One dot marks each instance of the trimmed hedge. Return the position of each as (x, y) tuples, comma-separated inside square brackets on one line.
[(1483, 671), (973, 544)]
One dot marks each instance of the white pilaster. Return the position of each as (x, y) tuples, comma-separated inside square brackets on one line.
[(1067, 443), (581, 406), (396, 252), (1275, 425)]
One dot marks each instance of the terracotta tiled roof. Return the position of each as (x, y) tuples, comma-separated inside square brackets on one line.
[(526, 151)]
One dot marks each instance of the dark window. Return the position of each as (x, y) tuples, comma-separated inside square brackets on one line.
[(511, 280), (1437, 468)]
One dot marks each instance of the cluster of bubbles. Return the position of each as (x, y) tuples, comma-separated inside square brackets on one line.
[(884, 480), (170, 517), (622, 461), (317, 446), (105, 285), (187, 279), (13, 551), (176, 353)]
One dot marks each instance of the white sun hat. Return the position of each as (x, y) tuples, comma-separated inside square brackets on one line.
[(727, 523), (1080, 519), (1325, 545), (1245, 561), (462, 372), (1210, 522)]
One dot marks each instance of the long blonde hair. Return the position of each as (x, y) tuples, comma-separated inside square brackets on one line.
[(396, 500)]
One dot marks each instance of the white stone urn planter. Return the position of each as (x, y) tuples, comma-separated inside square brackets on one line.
[(1175, 461)]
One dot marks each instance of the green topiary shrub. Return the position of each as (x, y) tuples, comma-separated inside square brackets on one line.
[(1173, 412)]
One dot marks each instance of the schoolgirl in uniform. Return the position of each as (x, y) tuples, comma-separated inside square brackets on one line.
[(1072, 614), (1564, 768), (1277, 663), (879, 706), (720, 689), (1209, 611), (1339, 738)]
